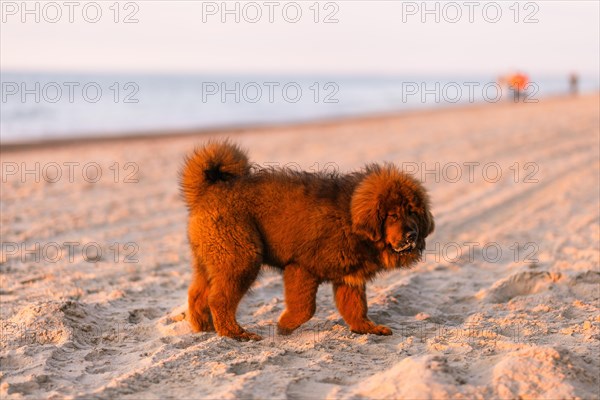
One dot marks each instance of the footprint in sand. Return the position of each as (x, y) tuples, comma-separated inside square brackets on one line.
[(520, 284)]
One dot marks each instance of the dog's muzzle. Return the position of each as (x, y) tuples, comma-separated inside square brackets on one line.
[(409, 243)]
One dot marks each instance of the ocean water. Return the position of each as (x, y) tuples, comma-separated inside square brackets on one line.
[(38, 106)]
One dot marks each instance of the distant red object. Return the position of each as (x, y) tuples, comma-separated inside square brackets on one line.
[(518, 82)]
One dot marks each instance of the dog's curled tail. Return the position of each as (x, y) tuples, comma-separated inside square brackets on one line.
[(207, 165)]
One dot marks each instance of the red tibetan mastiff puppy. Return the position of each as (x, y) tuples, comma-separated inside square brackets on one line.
[(316, 228)]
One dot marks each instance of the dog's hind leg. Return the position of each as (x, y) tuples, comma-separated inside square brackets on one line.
[(231, 257), (351, 301), (300, 298), (198, 311), (225, 294)]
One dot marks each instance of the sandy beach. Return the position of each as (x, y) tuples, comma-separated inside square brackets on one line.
[(95, 265)]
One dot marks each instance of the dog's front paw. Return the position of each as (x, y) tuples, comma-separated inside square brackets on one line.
[(243, 336), (373, 329), (381, 330), (200, 324), (286, 330)]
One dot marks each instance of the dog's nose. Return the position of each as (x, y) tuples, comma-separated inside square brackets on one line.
[(411, 236)]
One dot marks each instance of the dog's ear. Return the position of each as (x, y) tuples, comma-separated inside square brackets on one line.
[(367, 211), (430, 223), (368, 223)]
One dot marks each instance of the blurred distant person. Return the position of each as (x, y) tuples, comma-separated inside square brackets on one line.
[(574, 84), (518, 84)]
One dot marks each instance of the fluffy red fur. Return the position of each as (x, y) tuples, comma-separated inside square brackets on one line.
[(316, 228)]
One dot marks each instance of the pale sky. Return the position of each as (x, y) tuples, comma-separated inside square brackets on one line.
[(381, 37)]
